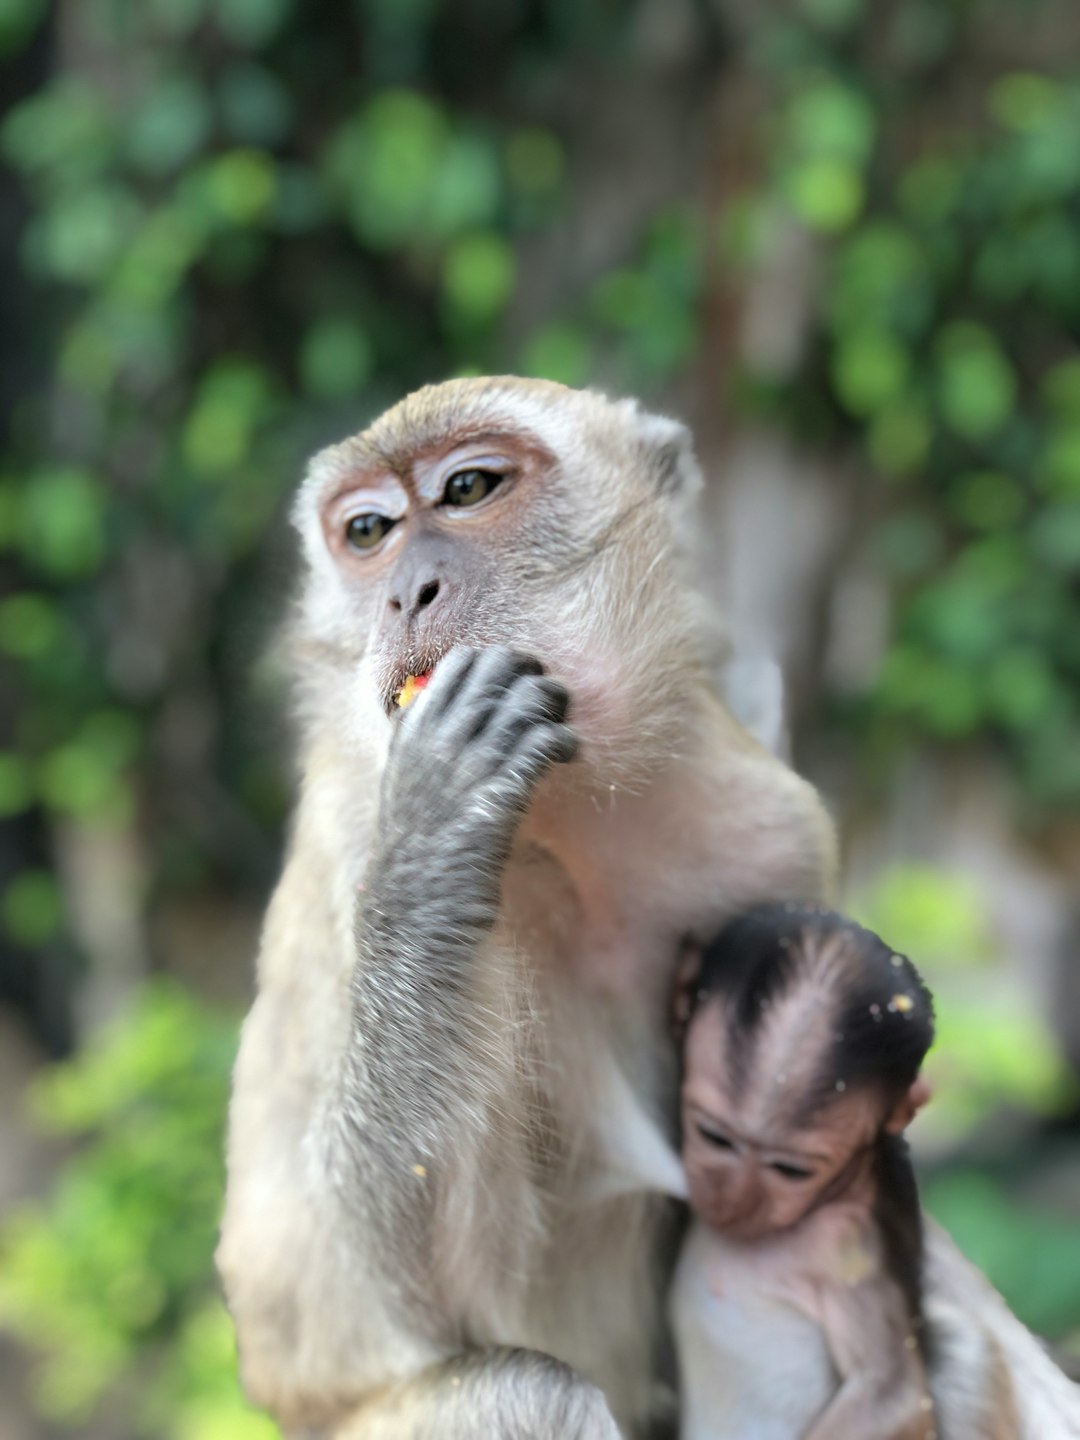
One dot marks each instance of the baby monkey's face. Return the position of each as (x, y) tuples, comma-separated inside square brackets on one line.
[(751, 1171)]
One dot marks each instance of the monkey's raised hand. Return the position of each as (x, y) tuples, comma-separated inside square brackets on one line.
[(462, 769)]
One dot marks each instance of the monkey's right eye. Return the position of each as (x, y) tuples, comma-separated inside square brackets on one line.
[(715, 1138), (366, 531), (790, 1172)]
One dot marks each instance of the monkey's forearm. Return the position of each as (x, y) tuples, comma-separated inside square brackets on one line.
[(968, 1370), (421, 1003), (518, 1393), (860, 1410)]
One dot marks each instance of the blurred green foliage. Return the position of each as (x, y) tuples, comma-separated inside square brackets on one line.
[(255, 223), (992, 1048), (111, 1282), (945, 352)]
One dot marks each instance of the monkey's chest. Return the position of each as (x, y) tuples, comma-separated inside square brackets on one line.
[(751, 1365)]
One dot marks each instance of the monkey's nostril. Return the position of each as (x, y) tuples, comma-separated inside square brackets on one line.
[(427, 593)]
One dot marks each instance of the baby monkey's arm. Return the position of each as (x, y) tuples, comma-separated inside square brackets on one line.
[(883, 1390)]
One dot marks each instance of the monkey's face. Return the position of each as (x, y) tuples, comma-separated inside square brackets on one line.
[(417, 549), (750, 1171), (495, 512)]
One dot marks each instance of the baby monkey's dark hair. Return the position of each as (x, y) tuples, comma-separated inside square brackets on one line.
[(880, 1014), (867, 1020)]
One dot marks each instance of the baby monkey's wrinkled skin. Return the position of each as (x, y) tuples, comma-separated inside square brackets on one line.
[(798, 1299)]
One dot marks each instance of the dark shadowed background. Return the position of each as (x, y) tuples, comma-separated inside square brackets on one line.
[(840, 238)]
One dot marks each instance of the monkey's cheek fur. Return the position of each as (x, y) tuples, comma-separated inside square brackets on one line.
[(410, 690)]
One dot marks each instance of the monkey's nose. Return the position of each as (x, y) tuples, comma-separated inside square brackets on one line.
[(424, 595)]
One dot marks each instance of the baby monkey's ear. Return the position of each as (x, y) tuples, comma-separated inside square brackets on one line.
[(908, 1106), (683, 995)]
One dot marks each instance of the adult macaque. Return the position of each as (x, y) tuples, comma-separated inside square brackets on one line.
[(798, 1299), (470, 939)]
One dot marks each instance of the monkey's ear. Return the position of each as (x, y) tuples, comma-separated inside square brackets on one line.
[(669, 450), (908, 1106), (686, 977)]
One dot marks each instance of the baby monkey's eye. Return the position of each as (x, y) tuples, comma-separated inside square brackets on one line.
[(790, 1172), (469, 487), (714, 1137), (364, 532)]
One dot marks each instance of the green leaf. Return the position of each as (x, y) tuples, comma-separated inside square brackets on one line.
[(1055, 537), (231, 403), (386, 161), (558, 352), (1019, 687), (241, 185), (1061, 462), (62, 523), (870, 369), (988, 500), (534, 160), (336, 358), (170, 126), (251, 23), (900, 437), (1026, 101), (478, 276), (256, 108), (935, 916), (465, 190), (977, 387), (30, 908), (29, 625), (832, 120), (80, 236), (63, 129), (826, 193), (1061, 391)]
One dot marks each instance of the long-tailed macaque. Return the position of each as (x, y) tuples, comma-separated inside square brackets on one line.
[(797, 1305), (422, 1235)]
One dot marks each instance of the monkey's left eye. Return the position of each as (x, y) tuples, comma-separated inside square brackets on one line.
[(469, 487), (715, 1138), (790, 1172), (365, 532)]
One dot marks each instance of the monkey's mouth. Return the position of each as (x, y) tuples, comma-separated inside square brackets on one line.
[(411, 689), (402, 682)]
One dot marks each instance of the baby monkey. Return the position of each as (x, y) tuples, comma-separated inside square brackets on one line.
[(797, 1303)]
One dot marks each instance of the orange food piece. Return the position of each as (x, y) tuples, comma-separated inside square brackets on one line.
[(411, 689)]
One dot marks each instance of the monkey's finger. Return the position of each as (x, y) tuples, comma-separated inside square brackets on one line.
[(533, 700), (484, 692), (450, 677), (546, 745)]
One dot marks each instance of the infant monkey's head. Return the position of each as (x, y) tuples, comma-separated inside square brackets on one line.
[(805, 1038)]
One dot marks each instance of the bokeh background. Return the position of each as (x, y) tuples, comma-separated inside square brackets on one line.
[(840, 237)]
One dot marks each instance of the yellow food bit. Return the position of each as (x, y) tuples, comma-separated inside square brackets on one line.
[(410, 690), (420, 1170), (903, 1003)]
